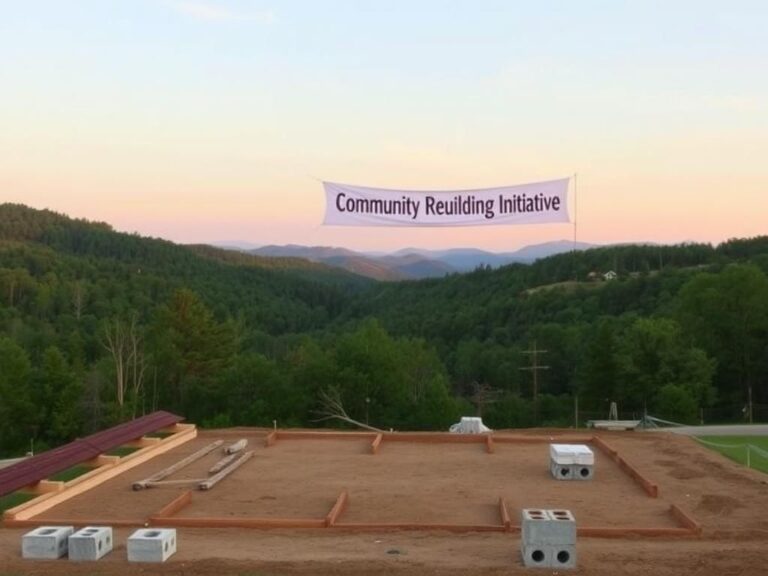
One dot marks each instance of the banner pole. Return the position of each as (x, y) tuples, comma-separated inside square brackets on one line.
[(575, 207), (575, 220)]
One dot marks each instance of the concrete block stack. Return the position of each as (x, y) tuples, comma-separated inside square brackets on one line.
[(548, 538), (90, 543), (571, 462), (151, 545), (46, 542)]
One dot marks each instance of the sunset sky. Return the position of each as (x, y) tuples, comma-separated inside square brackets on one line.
[(216, 120)]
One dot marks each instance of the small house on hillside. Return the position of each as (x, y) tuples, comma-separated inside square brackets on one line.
[(610, 275)]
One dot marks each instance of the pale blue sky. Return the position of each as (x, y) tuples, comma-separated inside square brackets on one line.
[(210, 120)]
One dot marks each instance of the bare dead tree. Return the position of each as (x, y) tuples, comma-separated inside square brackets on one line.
[(124, 344), (332, 408), (78, 298), (483, 395), (136, 362), (115, 342)]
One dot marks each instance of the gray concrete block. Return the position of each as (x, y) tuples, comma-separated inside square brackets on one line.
[(582, 472), (563, 556), (561, 471), (571, 471), (548, 556), (547, 527), (90, 543), (151, 545), (536, 556), (46, 542)]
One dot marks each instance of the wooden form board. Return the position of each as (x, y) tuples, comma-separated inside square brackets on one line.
[(181, 433), (649, 487), (687, 526), (166, 517)]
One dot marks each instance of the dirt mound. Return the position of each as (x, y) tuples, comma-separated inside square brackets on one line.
[(718, 504)]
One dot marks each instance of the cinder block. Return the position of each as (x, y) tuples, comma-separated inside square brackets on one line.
[(90, 543), (582, 472), (565, 454), (536, 556), (563, 556), (151, 545), (46, 542), (547, 527), (547, 556), (571, 471), (561, 471)]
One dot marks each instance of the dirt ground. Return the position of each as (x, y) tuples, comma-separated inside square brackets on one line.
[(431, 483)]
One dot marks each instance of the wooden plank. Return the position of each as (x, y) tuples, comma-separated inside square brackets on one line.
[(460, 528), (47, 501), (376, 444), (685, 519), (604, 446), (223, 463), (50, 462), (184, 482), (434, 437), (489, 448), (322, 435), (215, 479), (650, 488), (504, 513), (230, 522), (77, 522), (173, 468), (521, 439), (337, 510), (235, 447), (46, 487), (615, 532), (88, 475), (175, 505)]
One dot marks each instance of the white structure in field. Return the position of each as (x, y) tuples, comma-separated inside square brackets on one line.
[(548, 538), (571, 462), (152, 545), (469, 425), (46, 542), (90, 543)]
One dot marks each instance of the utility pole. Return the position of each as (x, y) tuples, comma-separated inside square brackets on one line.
[(535, 367)]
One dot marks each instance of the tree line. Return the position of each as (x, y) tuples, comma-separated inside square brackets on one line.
[(98, 326)]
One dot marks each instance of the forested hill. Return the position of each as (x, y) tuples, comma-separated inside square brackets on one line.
[(46, 256), (681, 330), (97, 326)]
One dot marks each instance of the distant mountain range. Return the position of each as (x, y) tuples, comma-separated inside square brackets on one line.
[(412, 263)]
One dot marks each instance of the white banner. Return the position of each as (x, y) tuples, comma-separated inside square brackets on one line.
[(537, 203)]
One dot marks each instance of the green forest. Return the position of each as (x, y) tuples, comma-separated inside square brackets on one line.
[(97, 327)]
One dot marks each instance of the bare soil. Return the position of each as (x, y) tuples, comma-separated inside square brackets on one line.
[(430, 483)]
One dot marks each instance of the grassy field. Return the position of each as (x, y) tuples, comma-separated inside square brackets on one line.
[(735, 448)]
